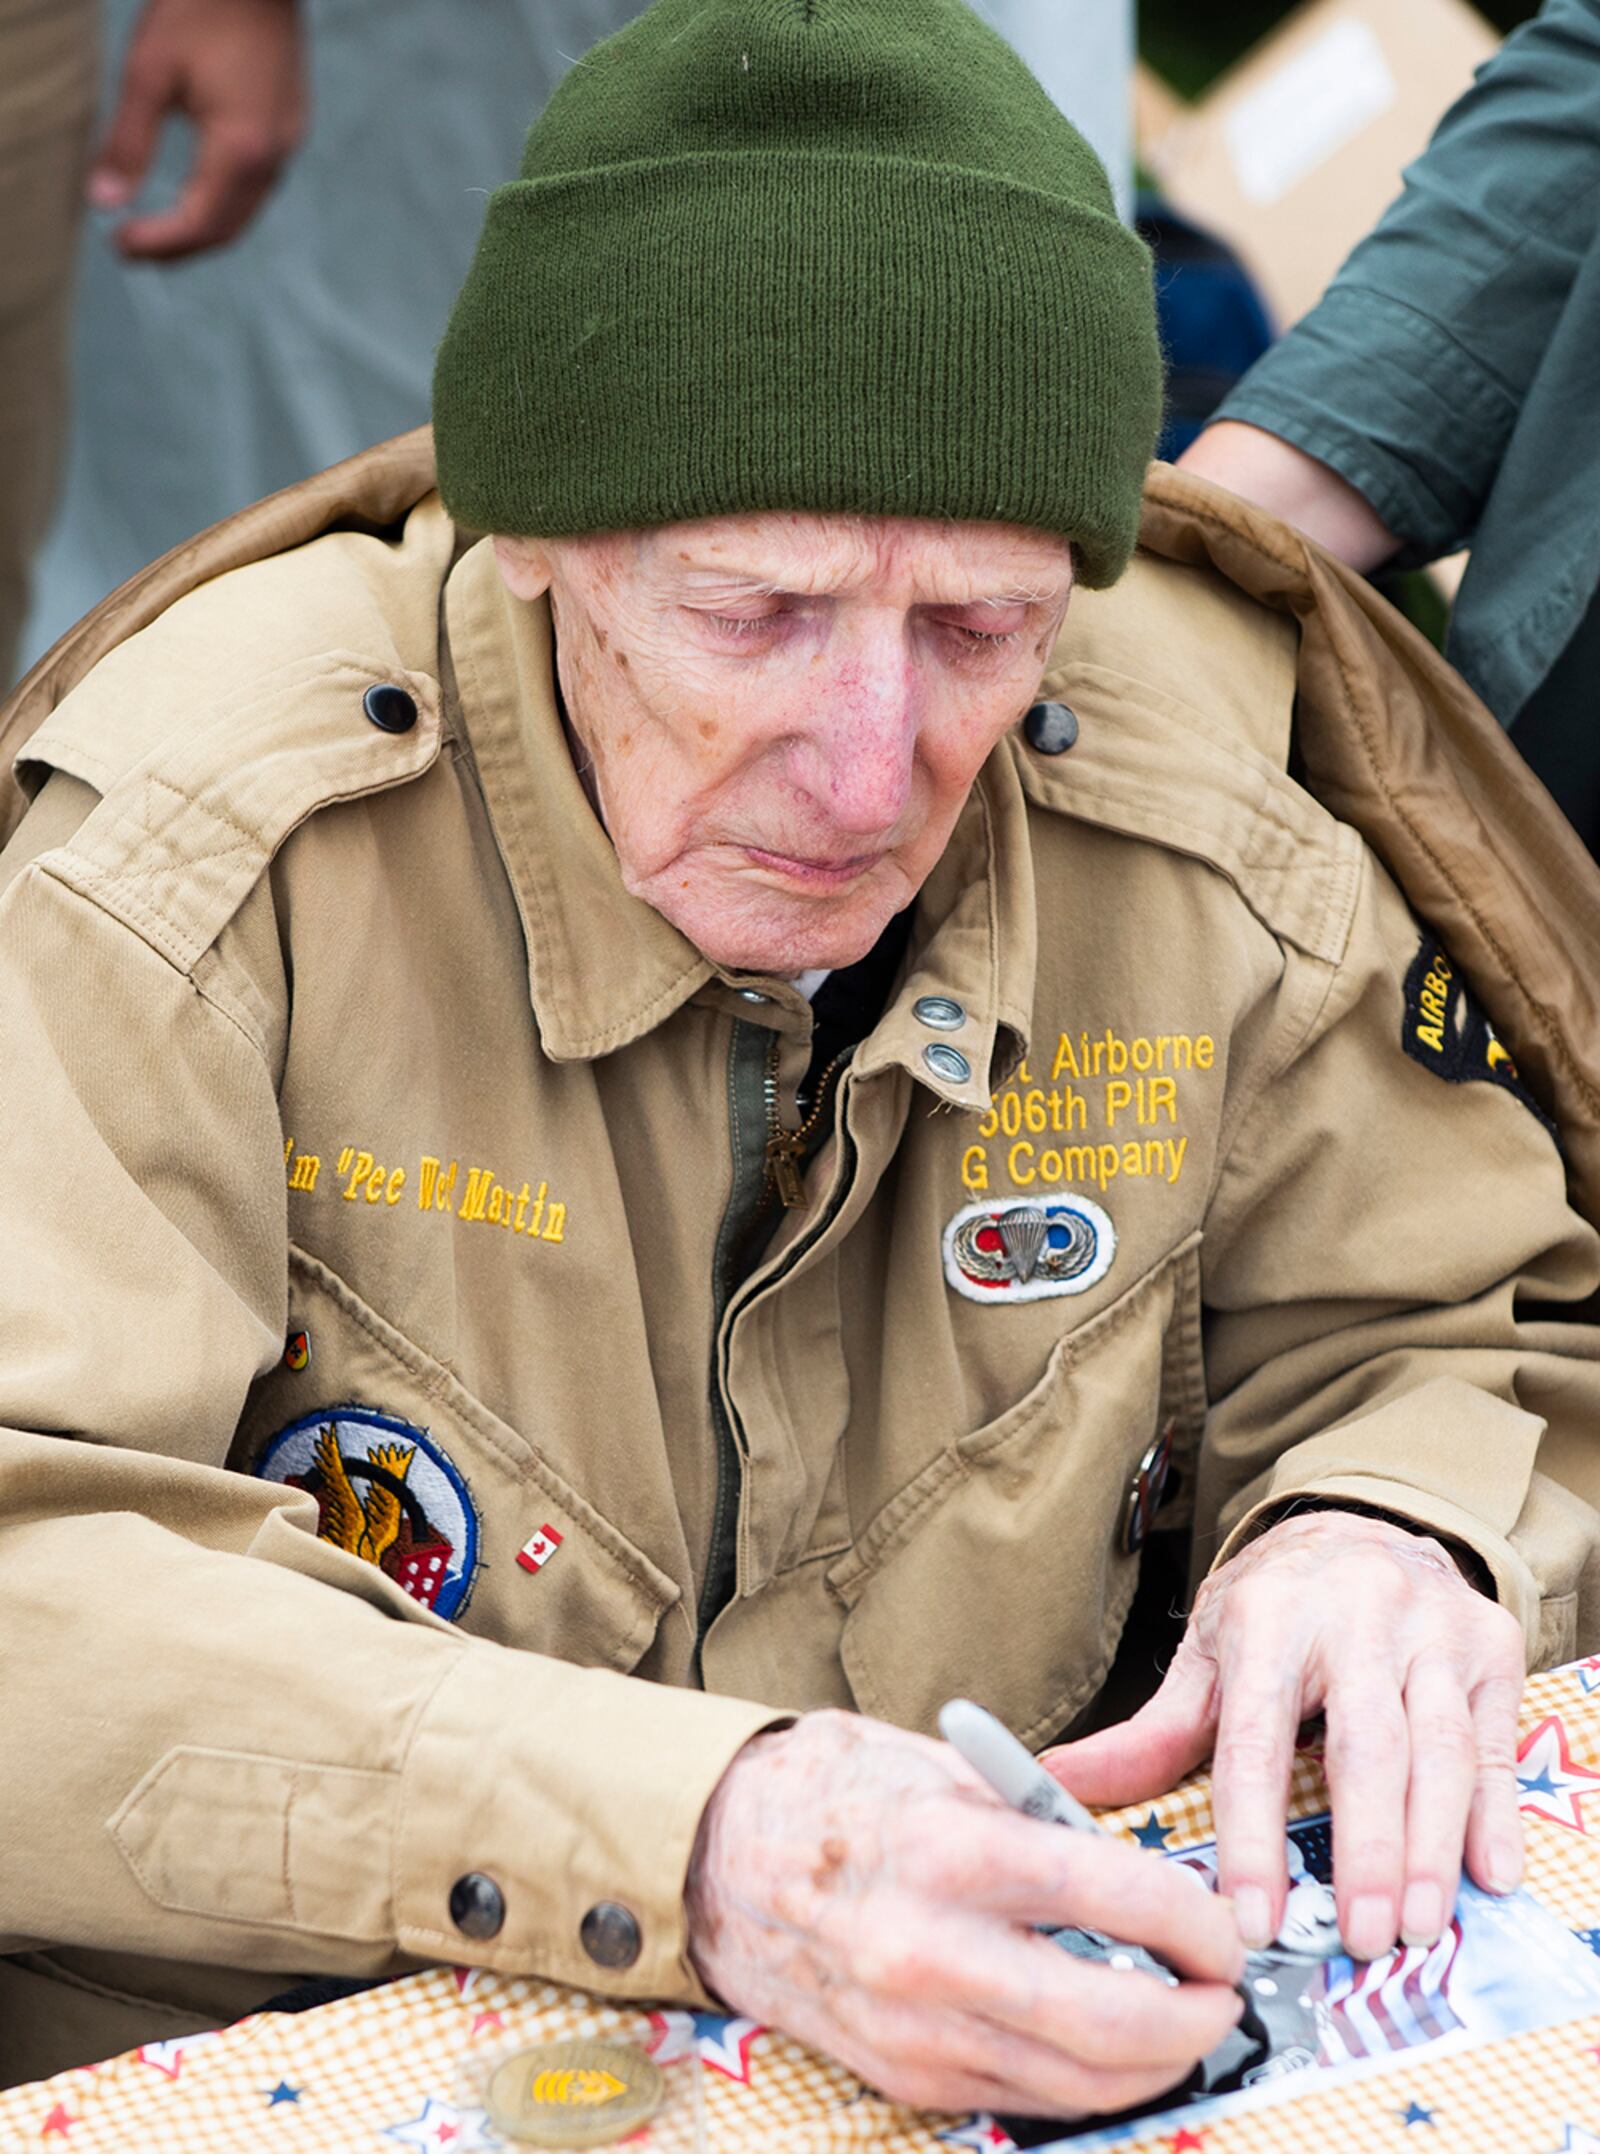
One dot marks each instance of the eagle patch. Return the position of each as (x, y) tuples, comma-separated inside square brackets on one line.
[(386, 1492), (1447, 1031)]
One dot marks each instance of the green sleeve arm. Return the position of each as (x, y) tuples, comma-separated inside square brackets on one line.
[(1408, 376)]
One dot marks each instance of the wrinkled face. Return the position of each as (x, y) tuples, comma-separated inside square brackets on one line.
[(779, 716)]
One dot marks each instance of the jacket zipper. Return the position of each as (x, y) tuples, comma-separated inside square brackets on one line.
[(787, 1148), (761, 1147), (747, 1197)]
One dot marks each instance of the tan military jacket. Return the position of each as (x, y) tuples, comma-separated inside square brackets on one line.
[(377, 1396)]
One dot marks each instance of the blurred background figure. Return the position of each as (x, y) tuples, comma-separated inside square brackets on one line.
[(232, 68), (46, 104), (1445, 393), (202, 388)]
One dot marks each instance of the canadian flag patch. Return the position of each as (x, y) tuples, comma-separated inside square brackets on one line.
[(534, 1554)]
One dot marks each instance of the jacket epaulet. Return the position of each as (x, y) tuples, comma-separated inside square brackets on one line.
[(1184, 689), (247, 705), (373, 492)]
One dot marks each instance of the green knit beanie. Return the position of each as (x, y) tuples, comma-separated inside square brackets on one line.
[(802, 254)]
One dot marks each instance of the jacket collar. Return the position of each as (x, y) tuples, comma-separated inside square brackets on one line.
[(604, 968), (974, 945)]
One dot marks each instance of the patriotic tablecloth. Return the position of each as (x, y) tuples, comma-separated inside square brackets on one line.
[(406, 2066)]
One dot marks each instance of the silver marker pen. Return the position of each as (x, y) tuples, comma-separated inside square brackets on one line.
[(1018, 1778)]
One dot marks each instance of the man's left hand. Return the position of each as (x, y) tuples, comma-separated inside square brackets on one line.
[(232, 67), (1418, 1677)]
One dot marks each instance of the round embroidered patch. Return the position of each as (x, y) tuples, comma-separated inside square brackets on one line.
[(1028, 1249), (385, 1492)]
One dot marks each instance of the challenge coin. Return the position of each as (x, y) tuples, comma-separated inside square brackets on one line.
[(574, 2094)]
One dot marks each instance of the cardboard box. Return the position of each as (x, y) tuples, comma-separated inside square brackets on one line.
[(1157, 108), (1297, 150)]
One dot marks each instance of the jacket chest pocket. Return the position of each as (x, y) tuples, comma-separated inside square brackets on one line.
[(414, 1475), (1001, 1572)]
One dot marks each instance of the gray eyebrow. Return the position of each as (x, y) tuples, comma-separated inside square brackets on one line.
[(1023, 595), (763, 587)]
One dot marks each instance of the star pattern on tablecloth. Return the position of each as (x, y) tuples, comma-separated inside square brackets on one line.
[(444, 2129), (713, 2037), (169, 2058), (981, 2133), (1551, 1785), (361, 2066)]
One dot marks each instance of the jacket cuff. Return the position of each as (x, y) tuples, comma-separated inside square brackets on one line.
[(1467, 1460), (567, 1788), (1394, 405), (1513, 1583)]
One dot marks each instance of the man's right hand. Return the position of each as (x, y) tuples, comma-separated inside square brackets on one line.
[(235, 68), (862, 1889)]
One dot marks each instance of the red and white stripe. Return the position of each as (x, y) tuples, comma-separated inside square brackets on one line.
[(536, 1552)]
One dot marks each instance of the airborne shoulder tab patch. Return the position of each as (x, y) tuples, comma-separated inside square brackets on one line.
[(1447, 1031)]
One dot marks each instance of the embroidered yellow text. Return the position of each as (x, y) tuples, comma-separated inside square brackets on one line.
[(1109, 1054), (1098, 1163), (368, 1180), (302, 1168), (1102, 1088), (519, 1212), (1433, 1003), (462, 1190)]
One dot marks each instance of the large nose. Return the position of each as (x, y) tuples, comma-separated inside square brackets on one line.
[(857, 742)]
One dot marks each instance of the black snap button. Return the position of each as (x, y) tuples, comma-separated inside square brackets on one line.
[(1050, 728), (477, 1905), (609, 1933), (390, 708)]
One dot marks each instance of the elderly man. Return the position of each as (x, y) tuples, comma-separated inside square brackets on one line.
[(619, 1182)]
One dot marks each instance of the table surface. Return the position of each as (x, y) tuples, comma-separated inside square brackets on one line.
[(405, 2065)]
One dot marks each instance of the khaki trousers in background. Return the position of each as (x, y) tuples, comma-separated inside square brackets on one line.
[(48, 69)]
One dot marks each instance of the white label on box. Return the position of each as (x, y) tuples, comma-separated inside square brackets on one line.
[(1307, 109)]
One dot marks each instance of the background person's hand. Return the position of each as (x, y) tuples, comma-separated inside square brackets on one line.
[(1419, 1678), (235, 69), (1277, 476), (860, 1888)]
